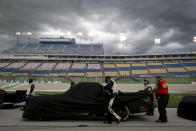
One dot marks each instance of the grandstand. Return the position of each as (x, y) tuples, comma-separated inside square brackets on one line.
[(110, 70), (97, 65), (64, 57), (94, 70), (49, 48)]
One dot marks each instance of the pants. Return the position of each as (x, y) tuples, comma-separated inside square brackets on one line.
[(111, 111), (163, 100)]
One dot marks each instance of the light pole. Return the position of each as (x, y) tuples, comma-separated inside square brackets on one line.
[(123, 39), (18, 35), (29, 36), (80, 35), (157, 42), (91, 34)]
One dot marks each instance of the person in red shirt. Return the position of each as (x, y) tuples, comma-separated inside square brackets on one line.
[(162, 96)]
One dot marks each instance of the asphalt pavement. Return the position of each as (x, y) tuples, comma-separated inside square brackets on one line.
[(11, 120)]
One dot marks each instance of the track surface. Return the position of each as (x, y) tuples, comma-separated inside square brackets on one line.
[(11, 120), (122, 87)]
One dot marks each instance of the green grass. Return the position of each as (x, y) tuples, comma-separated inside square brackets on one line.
[(174, 99), (49, 93)]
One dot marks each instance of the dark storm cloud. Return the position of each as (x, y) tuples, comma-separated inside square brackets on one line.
[(141, 21)]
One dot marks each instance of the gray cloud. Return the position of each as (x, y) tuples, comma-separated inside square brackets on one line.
[(141, 21)]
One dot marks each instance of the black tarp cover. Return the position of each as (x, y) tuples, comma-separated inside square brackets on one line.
[(84, 97), (187, 107)]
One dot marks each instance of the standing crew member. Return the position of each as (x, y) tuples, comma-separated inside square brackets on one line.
[(162, 96), (111, 90), (30, 91), (147, 87)]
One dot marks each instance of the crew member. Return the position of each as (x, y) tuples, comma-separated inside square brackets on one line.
[(111, 91), (147, 87), (30, 91), (162, 96)]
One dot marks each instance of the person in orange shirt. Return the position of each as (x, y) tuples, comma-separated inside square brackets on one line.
[(162, 96)]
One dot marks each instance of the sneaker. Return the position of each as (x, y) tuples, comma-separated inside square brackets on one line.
[(161, 121), (117, 121), (158, 121)]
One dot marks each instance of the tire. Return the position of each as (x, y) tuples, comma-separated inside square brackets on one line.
[(123, 112)]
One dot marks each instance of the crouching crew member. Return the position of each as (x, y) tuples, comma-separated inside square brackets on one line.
[(147, 87), (162, 96), (111, 91)]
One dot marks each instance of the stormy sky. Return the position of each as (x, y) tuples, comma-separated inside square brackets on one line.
[(141, 21)]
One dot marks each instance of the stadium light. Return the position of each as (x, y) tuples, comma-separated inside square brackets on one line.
[(80, 34), (123, 40), (157, 42), (29, 35), (194, 39), (18, 35)]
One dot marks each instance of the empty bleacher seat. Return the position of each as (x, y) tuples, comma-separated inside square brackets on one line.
[(70, 49), (173, 65), (42, 48), (12, 67), (4, 64), (176, 69), (110, 70), (24, 71), (94, 70), (61, 69), (31, 66), (56, 48), (179, 73), (28, 49), (41, 71), (47, 66), (139, 69), (58, 71), (124, 69), (157, 71), (77, 69), (139, 72), (156, 68), (62, 66), (190, 66)]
